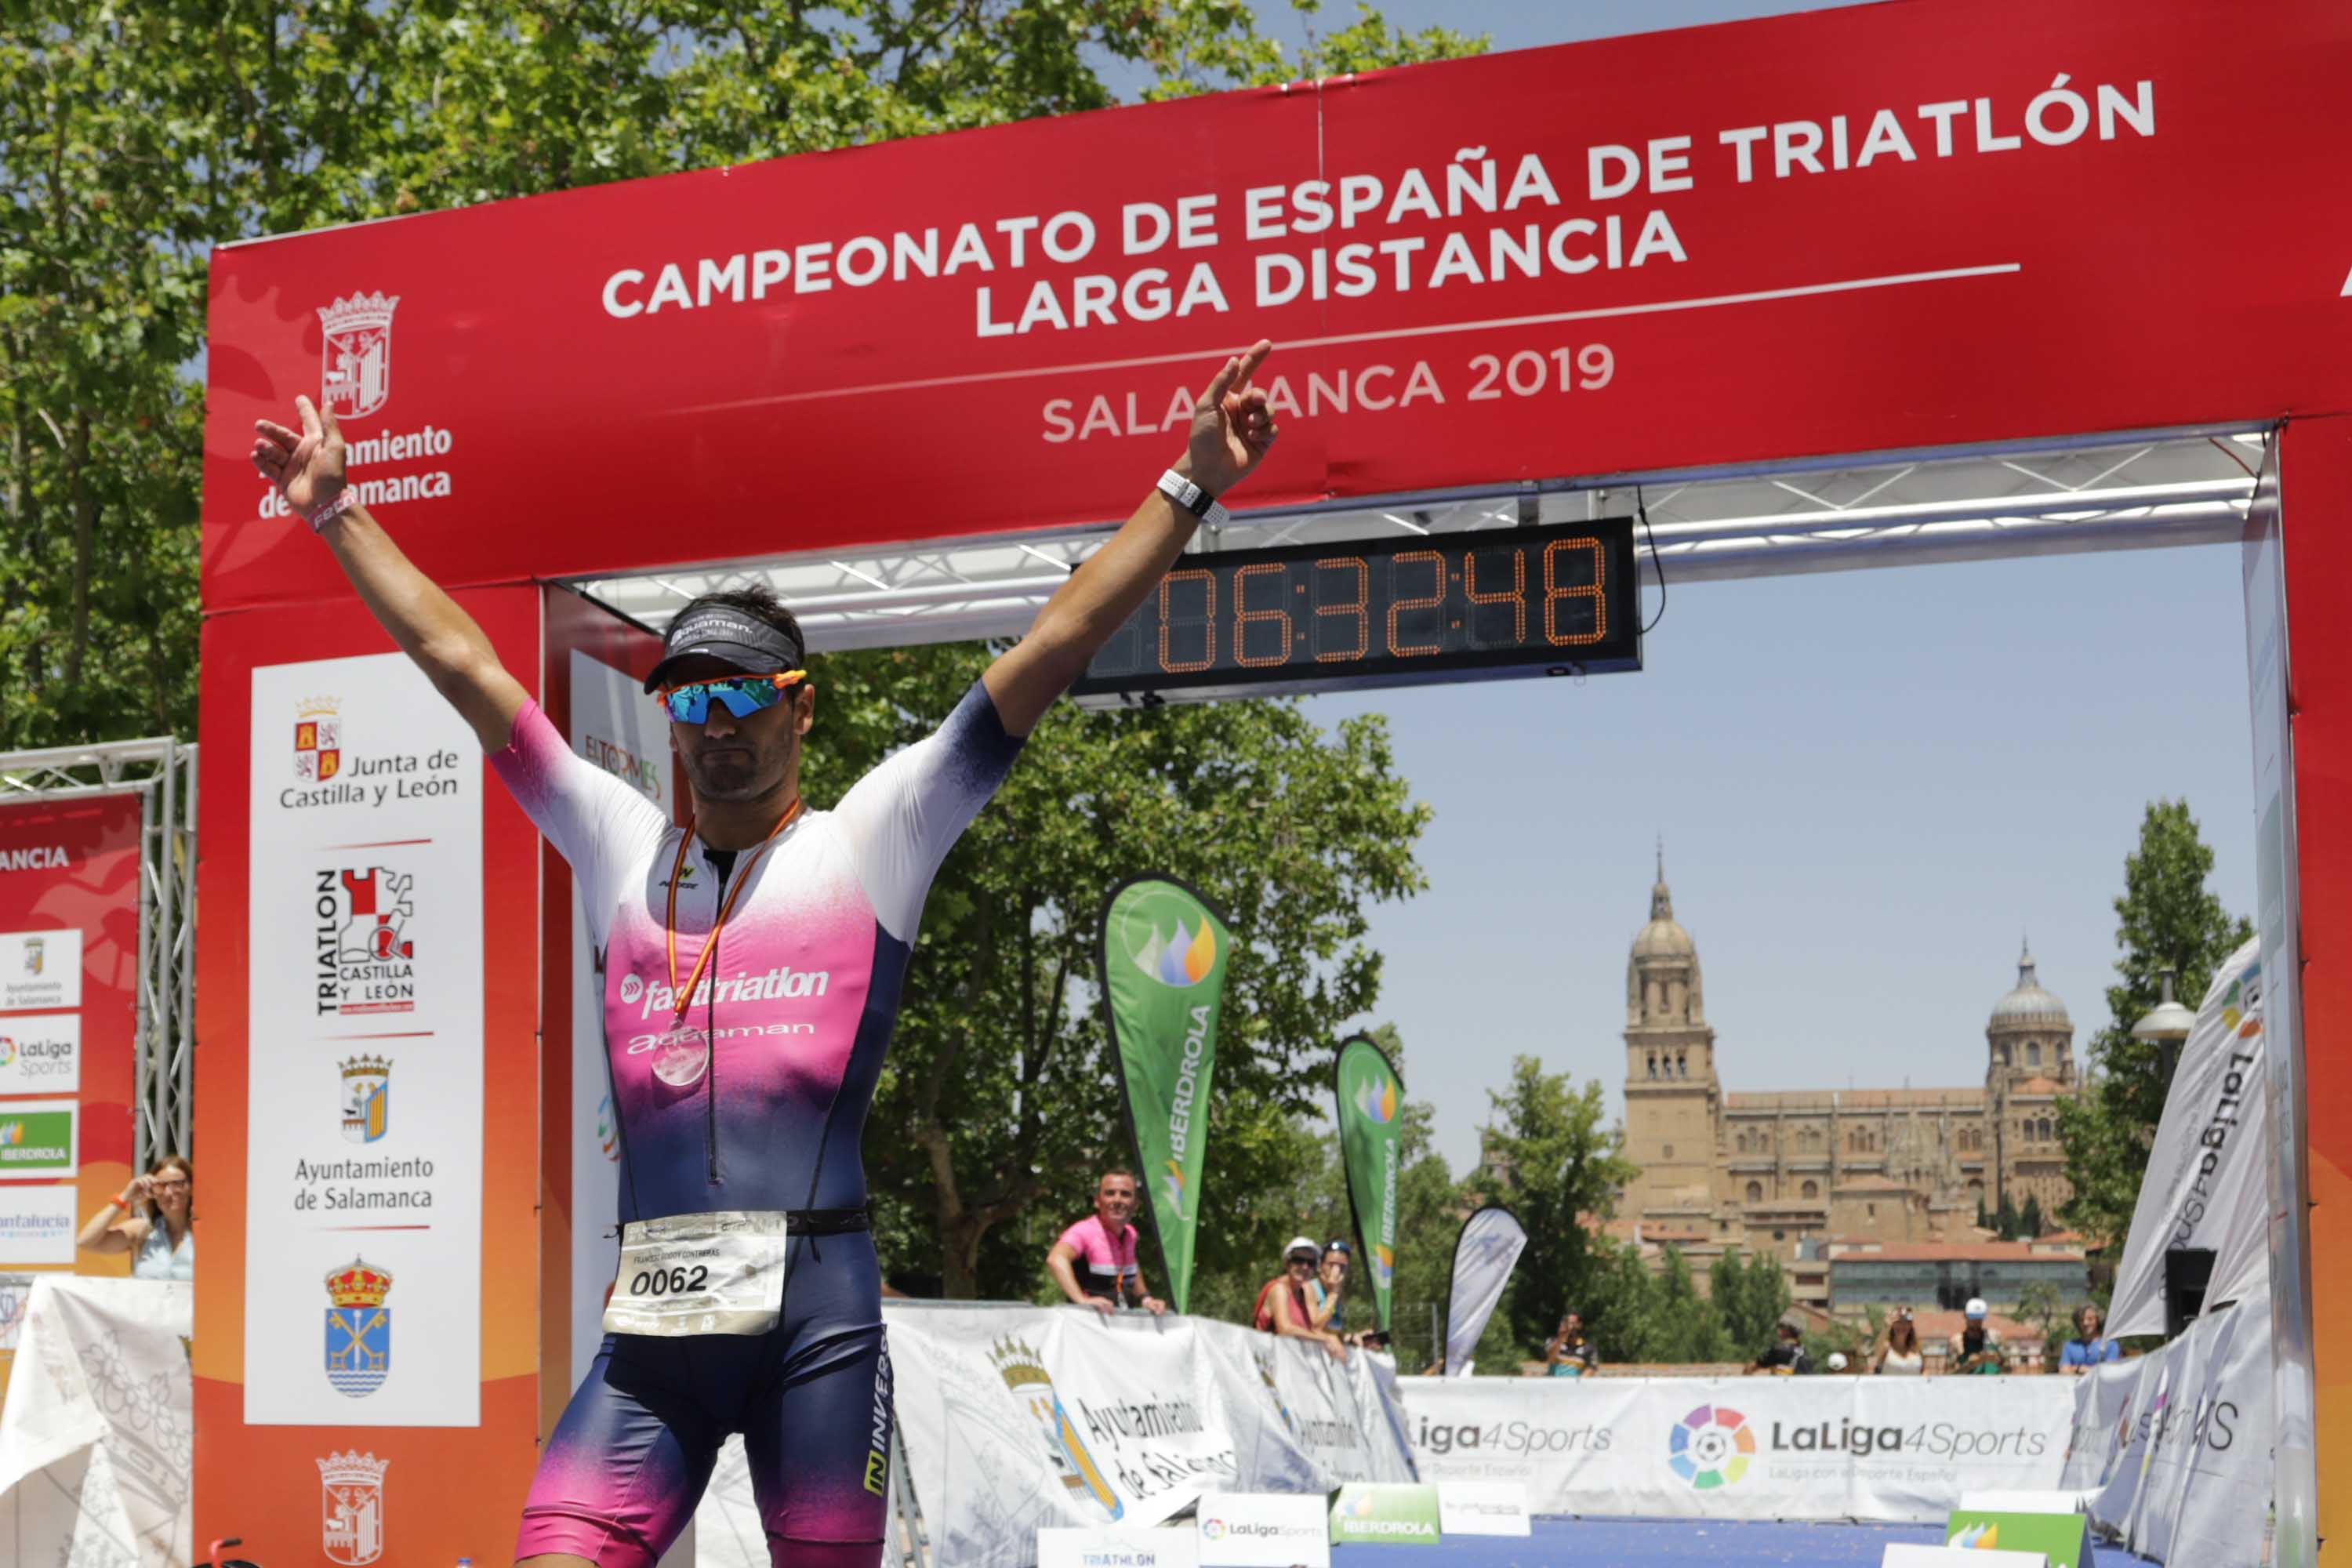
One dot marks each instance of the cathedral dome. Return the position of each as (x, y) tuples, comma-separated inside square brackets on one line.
[(2027, 1006), (1663, 937)]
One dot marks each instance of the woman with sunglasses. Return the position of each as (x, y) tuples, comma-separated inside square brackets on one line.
[(149, 1219), (753, 960)]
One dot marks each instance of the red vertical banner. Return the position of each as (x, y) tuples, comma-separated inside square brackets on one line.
[(366, 1100), (69, 1023)]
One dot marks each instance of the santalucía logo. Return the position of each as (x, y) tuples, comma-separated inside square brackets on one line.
[(1711, 1447)]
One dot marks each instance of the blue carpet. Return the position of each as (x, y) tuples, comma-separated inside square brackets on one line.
[(1670, 1543)]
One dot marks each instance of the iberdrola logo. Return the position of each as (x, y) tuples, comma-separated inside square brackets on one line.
[(1183, 958), (1376, 1097), (1172, 1187)]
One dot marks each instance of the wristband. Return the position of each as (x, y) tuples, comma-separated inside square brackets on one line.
[(120, 1205), (1193, 499), (345, 499)]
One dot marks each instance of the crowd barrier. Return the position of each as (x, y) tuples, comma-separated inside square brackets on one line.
[(1827, 1448), (97, 1438), (1016, 1417), (2175, 1446)]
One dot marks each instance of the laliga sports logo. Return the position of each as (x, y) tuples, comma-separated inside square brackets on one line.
[(8, 1050), (355, 360), (1711, 1447)]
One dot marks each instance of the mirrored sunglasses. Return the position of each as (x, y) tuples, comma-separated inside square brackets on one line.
[(740, 695)]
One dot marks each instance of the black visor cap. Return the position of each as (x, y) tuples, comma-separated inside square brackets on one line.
[(725, 633)]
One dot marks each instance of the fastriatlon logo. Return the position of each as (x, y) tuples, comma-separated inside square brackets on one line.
[(1711, 1447), (355, 360), (350, 1527)]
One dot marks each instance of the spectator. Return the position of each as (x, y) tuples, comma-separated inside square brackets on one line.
[(1106, 1241), (1976, 1348), (1787, 1358), (1568, 1352), (151, 1221), (1325, 1295), (2089, 1347), (1902, 1357), (1284, 1308)]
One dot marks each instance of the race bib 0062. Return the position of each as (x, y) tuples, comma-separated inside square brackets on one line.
[(700, 1274)]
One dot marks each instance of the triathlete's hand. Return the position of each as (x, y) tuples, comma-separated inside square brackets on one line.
[(1232, 427), (307, 465)]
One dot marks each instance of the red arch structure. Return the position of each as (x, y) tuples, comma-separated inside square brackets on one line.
[(1925, 227)]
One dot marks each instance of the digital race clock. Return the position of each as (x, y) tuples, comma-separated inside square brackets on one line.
[(1561, 599)]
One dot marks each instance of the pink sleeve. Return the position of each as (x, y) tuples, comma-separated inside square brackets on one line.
[(1076, 1239), (596, 823)]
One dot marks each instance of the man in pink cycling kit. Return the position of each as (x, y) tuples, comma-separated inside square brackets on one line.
[(752, 971)]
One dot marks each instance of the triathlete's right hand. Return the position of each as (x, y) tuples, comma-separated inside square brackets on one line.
[(307, 465)]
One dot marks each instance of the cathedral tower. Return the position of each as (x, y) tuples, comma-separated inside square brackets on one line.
[(1672, 1098), (2029, 1066)]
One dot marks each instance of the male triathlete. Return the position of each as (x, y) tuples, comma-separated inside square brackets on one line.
[(753, 964)]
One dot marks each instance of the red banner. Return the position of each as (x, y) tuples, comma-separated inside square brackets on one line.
[(69, 1018), (1850, 230)]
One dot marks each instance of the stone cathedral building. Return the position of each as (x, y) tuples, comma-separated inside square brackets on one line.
[(1788, 1173)]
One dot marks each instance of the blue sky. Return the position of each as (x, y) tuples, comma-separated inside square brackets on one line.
[(1870, 785)]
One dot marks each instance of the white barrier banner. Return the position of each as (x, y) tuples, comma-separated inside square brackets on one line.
[(1811, 1448), (2104, 1401), (1017, 1418), (2205, 1175), (2186, 1467)]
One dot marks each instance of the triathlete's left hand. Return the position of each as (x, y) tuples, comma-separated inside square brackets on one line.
[(1232, 427)]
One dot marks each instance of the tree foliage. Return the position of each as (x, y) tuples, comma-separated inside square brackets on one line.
[(1749, 1295), (134, 136), (1565, 1168), (2166, 916)]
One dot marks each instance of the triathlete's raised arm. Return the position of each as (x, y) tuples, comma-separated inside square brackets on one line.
[(1232, 430), (307, 466)]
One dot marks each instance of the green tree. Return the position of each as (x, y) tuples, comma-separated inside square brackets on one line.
[(2043, 1305), (1751, 1294), (2005, 1219), (132, 137), (1565, 1168), (2029, 1222), (2165, 917)]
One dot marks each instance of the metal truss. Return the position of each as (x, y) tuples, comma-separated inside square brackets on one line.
[(163, 773), (1826, 515)]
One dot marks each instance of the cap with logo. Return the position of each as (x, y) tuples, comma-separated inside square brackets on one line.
[(725, 633)]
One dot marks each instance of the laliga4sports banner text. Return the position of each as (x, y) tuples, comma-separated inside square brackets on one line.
[(1371, 1124), (1164, 953)]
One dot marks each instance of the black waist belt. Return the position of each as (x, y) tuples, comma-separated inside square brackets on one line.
[(827, 1222)]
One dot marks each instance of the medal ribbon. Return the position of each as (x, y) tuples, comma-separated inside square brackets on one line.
[(685, 998)]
